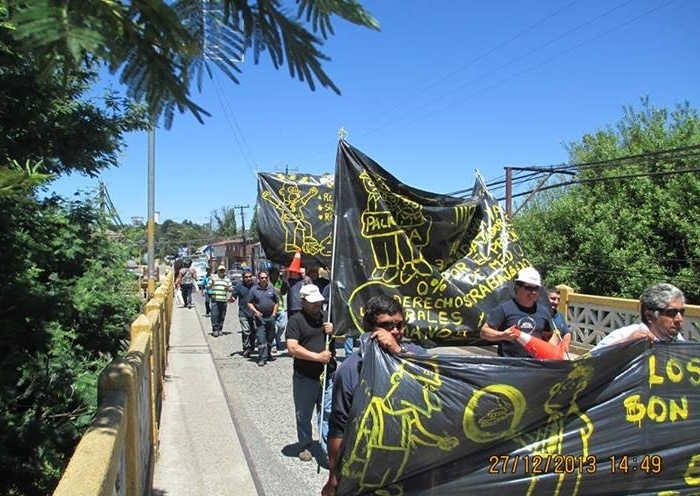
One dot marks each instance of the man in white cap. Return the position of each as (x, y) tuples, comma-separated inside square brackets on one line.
[(523, 312), (306, 342), (219, 286)]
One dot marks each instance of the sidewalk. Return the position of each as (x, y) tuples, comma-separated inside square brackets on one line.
[(200, 453)]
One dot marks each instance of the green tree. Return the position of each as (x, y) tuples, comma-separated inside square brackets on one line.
[(66, 299), (224, 222), (632, 218), (160, 48), (65, 304)]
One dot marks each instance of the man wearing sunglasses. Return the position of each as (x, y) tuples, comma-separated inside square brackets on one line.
[(661, 307), (523, 312), (383, 321)]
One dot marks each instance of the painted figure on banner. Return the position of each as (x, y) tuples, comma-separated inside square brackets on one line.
[(397, 236), (299, 232)]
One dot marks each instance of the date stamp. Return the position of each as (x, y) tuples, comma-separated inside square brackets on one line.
[(535, 464), (542, 464)]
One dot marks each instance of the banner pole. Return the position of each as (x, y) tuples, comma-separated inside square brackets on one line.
[(330, 298)]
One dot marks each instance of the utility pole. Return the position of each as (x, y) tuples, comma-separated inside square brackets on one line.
[(509, 191), (151, 228), (286, 169), (245, 243)]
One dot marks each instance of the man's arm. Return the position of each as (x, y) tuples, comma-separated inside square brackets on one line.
[(298, 351), (617, 337), (253, 308), (488, 333)]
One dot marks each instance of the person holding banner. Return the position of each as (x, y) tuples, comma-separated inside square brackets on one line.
[(306, 342), (521, 315), (662, 308), (383, 321)]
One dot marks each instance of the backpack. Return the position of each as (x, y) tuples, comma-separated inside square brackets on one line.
[(186, 276)]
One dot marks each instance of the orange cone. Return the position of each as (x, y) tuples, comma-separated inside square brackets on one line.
[(295, 266), (539, 348)]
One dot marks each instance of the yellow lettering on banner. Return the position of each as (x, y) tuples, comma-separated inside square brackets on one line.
[(694, 369), (692, 471), (656, 409), (654, 378), (674, 371)]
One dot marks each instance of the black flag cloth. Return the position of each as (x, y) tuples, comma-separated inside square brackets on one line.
[(295, 212), (622, 421), (448, 260)]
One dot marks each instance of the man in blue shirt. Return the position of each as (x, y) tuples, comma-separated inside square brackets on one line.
[(522, 312), (263, 303), (241, 292), (559, 325), (383, 321)]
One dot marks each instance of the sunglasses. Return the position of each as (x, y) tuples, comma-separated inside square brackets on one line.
[(528, 287), (672, 312), (388, 326)]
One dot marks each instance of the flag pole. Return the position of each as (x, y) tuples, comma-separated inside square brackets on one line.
[(342, 133)]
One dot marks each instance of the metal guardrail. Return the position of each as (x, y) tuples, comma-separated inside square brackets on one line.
[(117, 453)]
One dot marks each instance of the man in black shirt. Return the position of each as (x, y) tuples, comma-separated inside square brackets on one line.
[(306, 342)]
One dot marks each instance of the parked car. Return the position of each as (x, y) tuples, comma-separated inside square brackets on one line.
[(201, 269), (235, 275)]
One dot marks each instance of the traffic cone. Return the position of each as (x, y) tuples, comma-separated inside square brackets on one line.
[(539, 348), (295, 266)]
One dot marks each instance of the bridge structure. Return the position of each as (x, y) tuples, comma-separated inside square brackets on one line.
[(184, 413)]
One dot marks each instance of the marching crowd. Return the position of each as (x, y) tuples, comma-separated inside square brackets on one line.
[(277, 314)]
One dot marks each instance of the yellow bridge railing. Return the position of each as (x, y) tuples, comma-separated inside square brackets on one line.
[(117, 453)]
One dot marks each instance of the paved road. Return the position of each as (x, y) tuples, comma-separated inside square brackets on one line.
[(262, 409)]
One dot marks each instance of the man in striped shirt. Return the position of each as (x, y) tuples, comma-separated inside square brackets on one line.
[(220, 286)]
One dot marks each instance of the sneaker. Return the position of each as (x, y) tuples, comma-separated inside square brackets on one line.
[(246, 353), (207, 315), (305, 456), (262, 364)]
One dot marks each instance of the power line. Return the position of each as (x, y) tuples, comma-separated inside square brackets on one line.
[(464, 67)]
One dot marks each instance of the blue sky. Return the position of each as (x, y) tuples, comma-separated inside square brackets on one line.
[(446, 89)]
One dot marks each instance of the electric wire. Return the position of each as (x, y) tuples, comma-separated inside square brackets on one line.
[(462, 68)]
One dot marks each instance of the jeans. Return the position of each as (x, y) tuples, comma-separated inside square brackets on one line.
[(207, 302), (349, 346), (281, 325), (218, 314), (247, 336), (265, 335), (186, 290), (307, 394)]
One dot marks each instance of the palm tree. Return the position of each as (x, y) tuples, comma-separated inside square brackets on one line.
[(160, 48)]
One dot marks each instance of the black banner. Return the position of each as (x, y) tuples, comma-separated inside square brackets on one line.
[(448, 260), (621, 421), (295, 212)]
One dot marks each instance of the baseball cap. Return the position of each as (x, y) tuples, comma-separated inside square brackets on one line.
[(529, 275), (221, 267), (311, 293)]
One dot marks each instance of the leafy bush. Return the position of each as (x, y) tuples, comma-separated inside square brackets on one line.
[(66, 303)]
